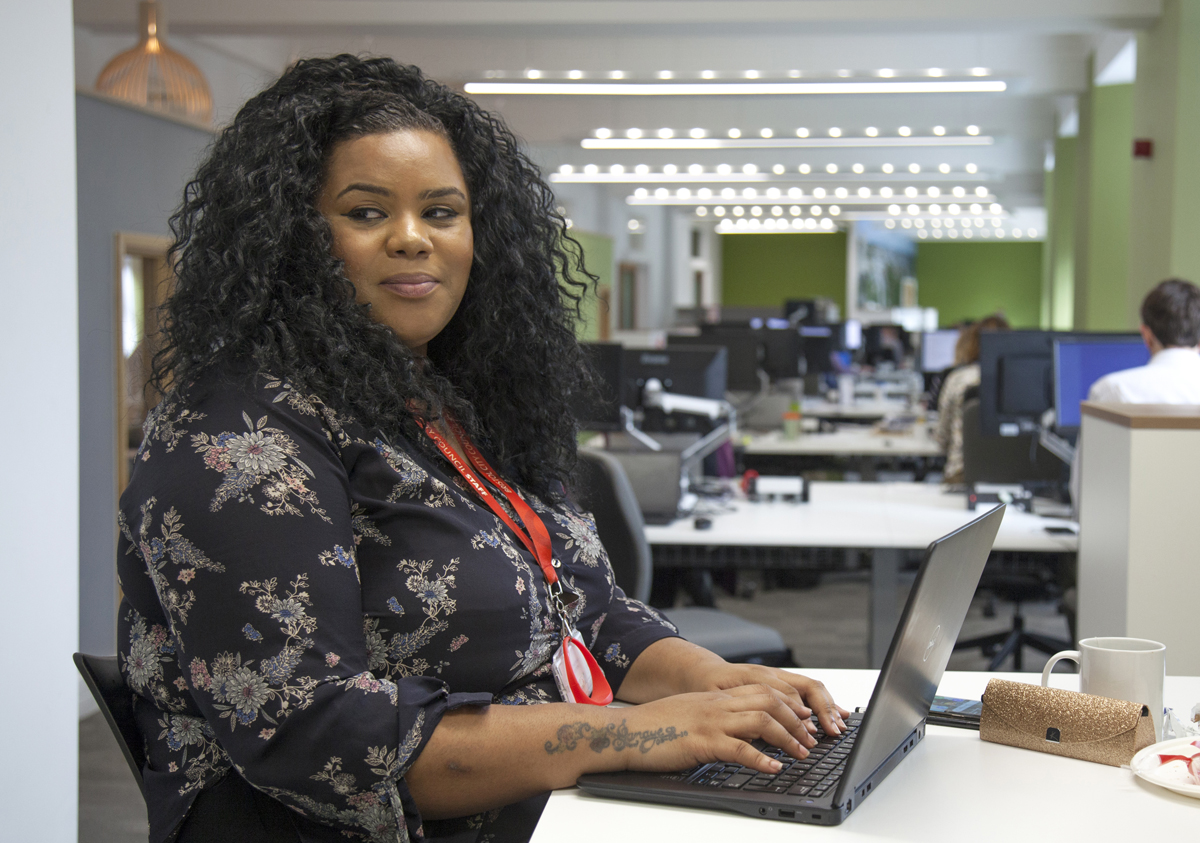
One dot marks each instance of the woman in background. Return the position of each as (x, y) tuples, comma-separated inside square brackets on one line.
[(347, 552), (950, 401)]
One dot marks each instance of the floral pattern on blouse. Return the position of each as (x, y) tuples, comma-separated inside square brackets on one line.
[(303, 600)]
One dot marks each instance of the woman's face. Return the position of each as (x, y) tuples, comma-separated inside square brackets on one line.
[(401, 219)]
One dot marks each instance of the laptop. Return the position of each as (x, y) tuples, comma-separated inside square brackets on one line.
[(842, 771)]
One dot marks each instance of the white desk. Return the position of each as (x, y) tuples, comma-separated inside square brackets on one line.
[(867, 410), (847, 442), (952, 786), (887, 518)]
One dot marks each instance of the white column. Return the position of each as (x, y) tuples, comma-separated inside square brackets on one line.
[(39, 425), (1139, 538)]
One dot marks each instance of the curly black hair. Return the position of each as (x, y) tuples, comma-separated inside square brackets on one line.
[(259, 289)]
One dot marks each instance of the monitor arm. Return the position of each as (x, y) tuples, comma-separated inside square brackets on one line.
[(1052, 442), (653, 395)]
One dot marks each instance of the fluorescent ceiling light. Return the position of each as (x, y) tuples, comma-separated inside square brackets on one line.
[(782, 142), (597, 177), (675, 199), (660, 89)]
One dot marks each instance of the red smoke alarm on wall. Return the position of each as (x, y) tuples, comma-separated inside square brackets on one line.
[(1143, 148)]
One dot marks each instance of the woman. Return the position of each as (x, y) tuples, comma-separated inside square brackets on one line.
[(337, 615), (965, 375)]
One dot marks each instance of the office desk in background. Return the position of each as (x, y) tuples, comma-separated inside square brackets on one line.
[(851, 447), (951, 787), (848, 442), (861, 410), (887, 519)]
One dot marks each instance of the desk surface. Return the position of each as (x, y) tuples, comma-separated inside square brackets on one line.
[(953, 786), (860, 515), (850, 441), (862, 409)]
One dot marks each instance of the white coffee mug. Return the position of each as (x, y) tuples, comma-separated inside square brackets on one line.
[(1129, 669)]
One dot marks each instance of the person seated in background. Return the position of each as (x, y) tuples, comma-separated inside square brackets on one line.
[(954, 388), (1171, 330)]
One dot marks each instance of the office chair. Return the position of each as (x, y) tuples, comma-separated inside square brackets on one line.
[(1010, 459), (602, 488), (103, 677)]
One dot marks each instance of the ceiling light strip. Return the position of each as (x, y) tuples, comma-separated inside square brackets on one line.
[(903, 202), (660, 89), (782, 143), (758, 178), (680, 178)]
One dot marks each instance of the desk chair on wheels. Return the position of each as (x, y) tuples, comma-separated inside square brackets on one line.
[(1010, 459), (602, 488)]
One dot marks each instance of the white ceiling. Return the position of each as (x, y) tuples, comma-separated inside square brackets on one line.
[(1039, 48)]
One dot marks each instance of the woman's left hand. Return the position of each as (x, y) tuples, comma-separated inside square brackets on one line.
[(676, 666), (810, 694)]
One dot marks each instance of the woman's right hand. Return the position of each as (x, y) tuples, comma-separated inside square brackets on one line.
[(681, 731)]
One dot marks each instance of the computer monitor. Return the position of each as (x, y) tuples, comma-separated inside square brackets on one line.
[(699, 371), (745, 353), (937, 349), (818, 344), (1080, 360), (804, 312), (851, 335), (602, 412), (885, 344), (1015, 380), (781, 353)]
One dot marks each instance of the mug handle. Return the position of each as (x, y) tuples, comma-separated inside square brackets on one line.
[(1073, 655)]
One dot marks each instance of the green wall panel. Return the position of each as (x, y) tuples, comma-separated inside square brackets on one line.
[(1058, 295), (763, 270), (598, 258), (1100, 305), (970, 280)]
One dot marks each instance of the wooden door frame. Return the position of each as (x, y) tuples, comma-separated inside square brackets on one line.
[(153, 291)]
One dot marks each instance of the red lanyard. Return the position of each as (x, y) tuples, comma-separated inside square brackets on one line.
[(537, 540)]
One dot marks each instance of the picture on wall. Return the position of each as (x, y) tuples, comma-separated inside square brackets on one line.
[(886, 268)]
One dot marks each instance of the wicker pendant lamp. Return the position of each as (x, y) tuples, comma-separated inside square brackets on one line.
[(155, 76)]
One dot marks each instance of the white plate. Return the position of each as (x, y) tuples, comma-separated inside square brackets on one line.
[(1172, 776)]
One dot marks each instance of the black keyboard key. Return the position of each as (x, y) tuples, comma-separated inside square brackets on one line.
[(737, 780)]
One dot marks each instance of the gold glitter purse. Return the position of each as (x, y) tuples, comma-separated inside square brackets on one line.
[(1066, 723)]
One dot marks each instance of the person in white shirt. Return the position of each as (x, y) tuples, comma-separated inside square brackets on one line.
[(1171, 330)]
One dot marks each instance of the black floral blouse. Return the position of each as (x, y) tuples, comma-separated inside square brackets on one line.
[(303, 601)]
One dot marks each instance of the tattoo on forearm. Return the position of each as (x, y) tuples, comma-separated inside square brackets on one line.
[(617, 738)]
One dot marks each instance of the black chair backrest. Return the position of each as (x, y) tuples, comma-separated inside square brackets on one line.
[(602, 488), (102, 674), (1003, 459)]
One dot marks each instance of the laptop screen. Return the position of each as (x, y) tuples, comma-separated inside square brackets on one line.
[(917, 658)]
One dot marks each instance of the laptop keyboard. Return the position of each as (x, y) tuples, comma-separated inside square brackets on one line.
[(813, 776)]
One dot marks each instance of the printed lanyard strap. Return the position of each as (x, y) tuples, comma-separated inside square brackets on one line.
[(597, 691), (537, 539)]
